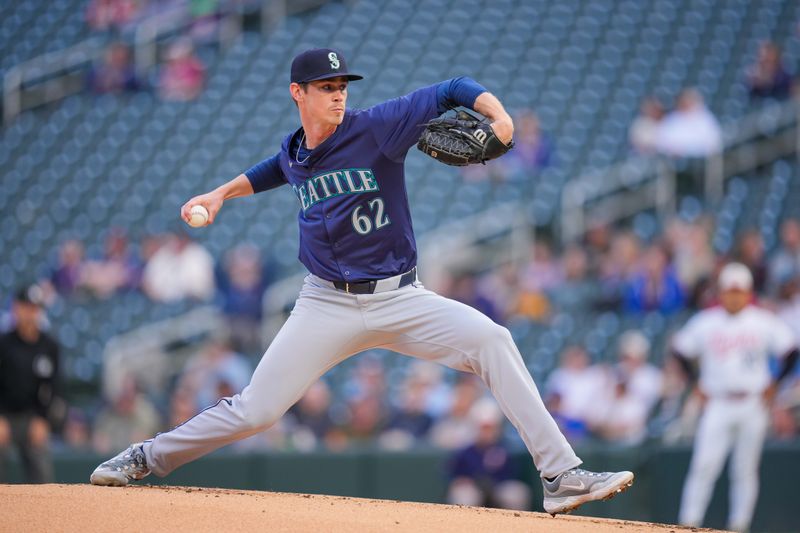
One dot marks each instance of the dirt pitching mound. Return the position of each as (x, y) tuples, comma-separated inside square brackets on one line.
[(85, 508)]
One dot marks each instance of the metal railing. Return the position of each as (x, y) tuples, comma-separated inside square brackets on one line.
[(616, 192), (151, 30), (51, 77), (48, 72), (759, 138), (144, 352), (642, 183)]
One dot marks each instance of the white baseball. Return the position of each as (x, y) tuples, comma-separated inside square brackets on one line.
[(199, 216)]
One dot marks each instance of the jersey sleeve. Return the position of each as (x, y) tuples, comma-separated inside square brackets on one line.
[(688, 340), (399, 122), (781, 337), (266, 175)]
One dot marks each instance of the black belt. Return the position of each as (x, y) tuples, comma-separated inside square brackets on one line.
[(368, 287)]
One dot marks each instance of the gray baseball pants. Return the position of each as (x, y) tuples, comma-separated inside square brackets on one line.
[(327, 326)]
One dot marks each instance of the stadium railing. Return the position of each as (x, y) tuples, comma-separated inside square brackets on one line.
[(638, 184)]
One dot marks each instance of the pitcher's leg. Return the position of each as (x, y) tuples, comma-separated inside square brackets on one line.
[(711, 446), (745, 461), (322, 330), (432, 327)]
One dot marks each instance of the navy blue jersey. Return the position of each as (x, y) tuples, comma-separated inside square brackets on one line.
[(354, 217)]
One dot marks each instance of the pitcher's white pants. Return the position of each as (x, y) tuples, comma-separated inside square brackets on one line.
[(327, 326), (739, 424)]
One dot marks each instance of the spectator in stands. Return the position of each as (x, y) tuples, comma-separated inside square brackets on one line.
[(577, 291), (183, 76), (130, 417), (789, 304), (644, 131), (785, 263), (533, 149), (636, 391), (408, 423), (367, 379), (537, 278), (543, 271), (768, 78), (118, 270), (180, 269), (617, 267), (241, 287), (625, 419), (633, 367), (182, 406), (483, 473), (216, 366), (205, 19), (438, 392), (30, 401), (366, 418), (115, 73), (67, 278), (76, 434), (577, 393), (750, 252), (784, 416), (654, 286), (690, 130), (674, 417), (597, 242), (693, 257), (311, 415), (464, 288), (500, 288), (786, 409), (455, 430), (103, 15)]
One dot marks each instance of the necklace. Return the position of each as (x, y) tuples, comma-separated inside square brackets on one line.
[(297, 153)]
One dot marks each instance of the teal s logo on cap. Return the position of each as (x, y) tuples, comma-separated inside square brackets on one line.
[(334, 59)]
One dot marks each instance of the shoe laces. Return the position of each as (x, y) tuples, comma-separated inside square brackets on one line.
[(581, 472), (137, 455)]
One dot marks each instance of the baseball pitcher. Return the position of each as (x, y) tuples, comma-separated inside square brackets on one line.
[(733, 343), (346, 168)]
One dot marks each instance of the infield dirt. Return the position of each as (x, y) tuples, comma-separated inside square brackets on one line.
[(155, 509)]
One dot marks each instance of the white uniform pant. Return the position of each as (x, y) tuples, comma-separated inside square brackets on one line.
[(740, 424), (327, 326)]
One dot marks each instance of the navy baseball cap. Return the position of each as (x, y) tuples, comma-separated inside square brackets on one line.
[(320, 64)]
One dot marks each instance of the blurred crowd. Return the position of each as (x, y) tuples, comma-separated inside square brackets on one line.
[(168, 268), (180, 74), (644, 393), (639, 394), (690, 129)]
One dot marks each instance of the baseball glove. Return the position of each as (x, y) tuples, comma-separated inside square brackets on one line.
[(461, 140)]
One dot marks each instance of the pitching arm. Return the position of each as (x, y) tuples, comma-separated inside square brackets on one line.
[(212, 201)]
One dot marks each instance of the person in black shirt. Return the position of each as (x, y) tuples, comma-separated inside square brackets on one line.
[(28, 388)]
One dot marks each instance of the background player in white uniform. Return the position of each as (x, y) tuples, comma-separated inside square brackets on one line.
[(346, 168), (733, 344)]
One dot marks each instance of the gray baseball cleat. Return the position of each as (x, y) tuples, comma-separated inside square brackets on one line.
[(573, 488), (128, 465)]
